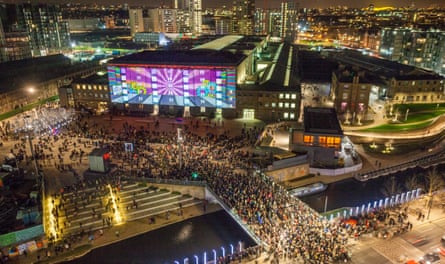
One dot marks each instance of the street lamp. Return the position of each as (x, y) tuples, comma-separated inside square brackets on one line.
[(180, 140)]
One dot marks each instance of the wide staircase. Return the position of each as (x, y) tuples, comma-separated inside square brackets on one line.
[(97, 208)]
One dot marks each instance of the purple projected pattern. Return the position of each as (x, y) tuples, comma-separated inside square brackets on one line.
[(170, 82), (172, 86)]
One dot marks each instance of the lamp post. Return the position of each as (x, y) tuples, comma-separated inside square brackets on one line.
[(180, 140)]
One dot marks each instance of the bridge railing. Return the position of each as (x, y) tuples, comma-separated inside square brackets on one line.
[(428, 161)]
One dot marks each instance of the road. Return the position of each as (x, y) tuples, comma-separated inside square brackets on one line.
[(403, 247)]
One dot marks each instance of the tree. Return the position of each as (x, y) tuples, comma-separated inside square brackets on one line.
[(433, 182), (412, 183), (391, 187)]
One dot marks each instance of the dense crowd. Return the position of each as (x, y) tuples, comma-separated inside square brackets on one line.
[(287, 226)]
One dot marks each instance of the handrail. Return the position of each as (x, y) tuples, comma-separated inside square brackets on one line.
[(429, 160)]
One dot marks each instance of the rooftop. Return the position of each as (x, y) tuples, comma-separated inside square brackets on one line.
[(93, 79), (197, 57), (30, 72), (220, 43), (383, 67), (319, 120)]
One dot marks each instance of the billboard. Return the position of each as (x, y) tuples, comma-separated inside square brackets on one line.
[(186, 86)]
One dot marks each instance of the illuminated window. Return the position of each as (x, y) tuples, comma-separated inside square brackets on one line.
[(294, 96), (308, 139), (287, 96), (280, 104), (274, 105), (286, 105), (292, 105), (322, 140), (78, 86), (281, 96), (84, 86), (286, 115), (94, 87)]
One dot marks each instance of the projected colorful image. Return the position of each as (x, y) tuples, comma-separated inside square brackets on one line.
[(173, 86)]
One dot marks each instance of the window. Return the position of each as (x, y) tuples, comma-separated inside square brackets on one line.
[(292, 105), (287, 96), (280, 105), (345, 96), (322, 140), (281, 96), (308, 139), (286, 105), (274, 105), (294, 96), (286, 115)]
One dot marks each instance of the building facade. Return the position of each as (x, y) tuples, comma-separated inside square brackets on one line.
[(32, 30), (243, 17), (136, 21), (420, 48), (289, 21)]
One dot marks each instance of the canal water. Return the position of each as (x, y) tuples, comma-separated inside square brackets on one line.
[(353, 193), (176, 242)]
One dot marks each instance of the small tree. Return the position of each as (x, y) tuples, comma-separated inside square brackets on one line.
[(391, 187), (433, 182), (412, 183)]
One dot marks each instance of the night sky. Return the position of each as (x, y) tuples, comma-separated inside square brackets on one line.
[(262, 3)]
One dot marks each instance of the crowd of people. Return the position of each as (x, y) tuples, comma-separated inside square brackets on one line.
[(286, 226)]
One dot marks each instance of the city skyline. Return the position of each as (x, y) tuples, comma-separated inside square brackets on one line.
[(263, 3)]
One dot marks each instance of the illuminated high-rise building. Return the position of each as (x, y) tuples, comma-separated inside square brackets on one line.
[(289, 20), (136, 21), (195, 7), (48, 32), (420, 48), (162, 20), (243, 15)]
